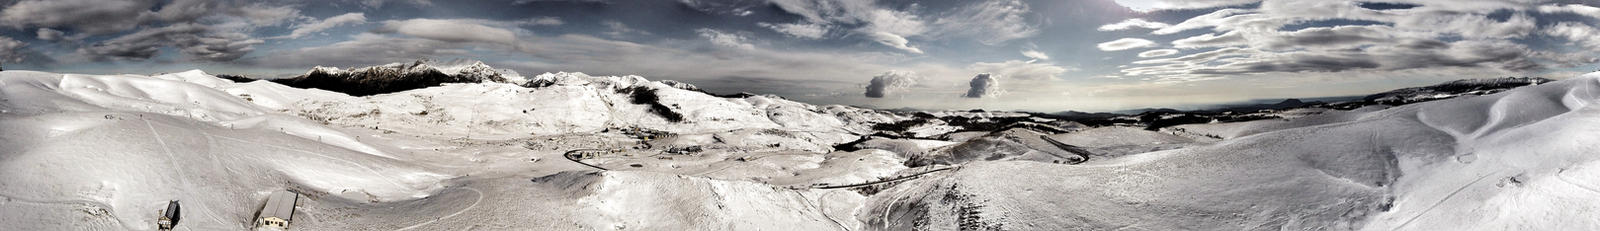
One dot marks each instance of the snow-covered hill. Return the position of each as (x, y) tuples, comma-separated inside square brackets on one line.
[(396, 77), (1518, 160), (105, 152)]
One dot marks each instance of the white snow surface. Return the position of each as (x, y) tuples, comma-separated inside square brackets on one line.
[(106, 152)]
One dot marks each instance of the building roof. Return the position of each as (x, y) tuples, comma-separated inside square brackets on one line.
[(280, 205), (172, 210)]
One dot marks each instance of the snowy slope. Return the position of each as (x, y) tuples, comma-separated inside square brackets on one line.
[(1517, 160), (106, 152), (575, 102), (118, 147)]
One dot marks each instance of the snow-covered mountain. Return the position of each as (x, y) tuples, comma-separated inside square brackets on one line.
[(103, 152), (1452, 89), (396, 77)]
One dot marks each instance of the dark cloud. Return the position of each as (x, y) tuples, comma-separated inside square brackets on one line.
[(195, 41), (87, 16)]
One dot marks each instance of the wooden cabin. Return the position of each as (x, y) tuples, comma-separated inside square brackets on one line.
[(169, 217), (279, 210)]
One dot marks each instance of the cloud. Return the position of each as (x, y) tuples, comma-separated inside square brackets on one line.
[(729, 7), (1234, 38), (86, 16), (185, 10), (619, 30), (889, 27), (1132, 23), (327, 23), (1035, 55), (48, 34), (543, 21), (1018, 69), (197, 42), (1124, 44), (1405, 55), (1338, 36), (13, 51), (1590, 11), (725, 39), (449, 30), (380, 3), (263, 15), (799, 30), (361, 50), (1155, 5), (1157, 53), (1575, 33), (890, 82), (1222, 19), (989, 22), (984, 86), (894, 41)]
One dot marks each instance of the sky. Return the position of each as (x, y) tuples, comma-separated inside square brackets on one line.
[(1044, 55)]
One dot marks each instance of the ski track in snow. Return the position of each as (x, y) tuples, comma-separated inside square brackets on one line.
[(1447, 197), (469, 207), (183, 176), (1563, 178)]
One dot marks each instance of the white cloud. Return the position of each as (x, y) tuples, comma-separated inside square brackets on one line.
[(1035, 55), (327, 23), (725, 39), (1157, 53), (361, 50), (1576, 33), (894, 41), (1154, 5), (263, 15), (891, 82), (449, 30), (48, 34), (1124, 44), (1233, 38), (984, 85), (1590, 11), (1253, 41), (799, 30), (989, 22), (1018, 69), (1132, 23), (543, 21), (619, 30), (1222, 19)]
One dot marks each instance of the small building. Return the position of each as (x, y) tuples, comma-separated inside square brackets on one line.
[(278, 211), (169, 217)]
